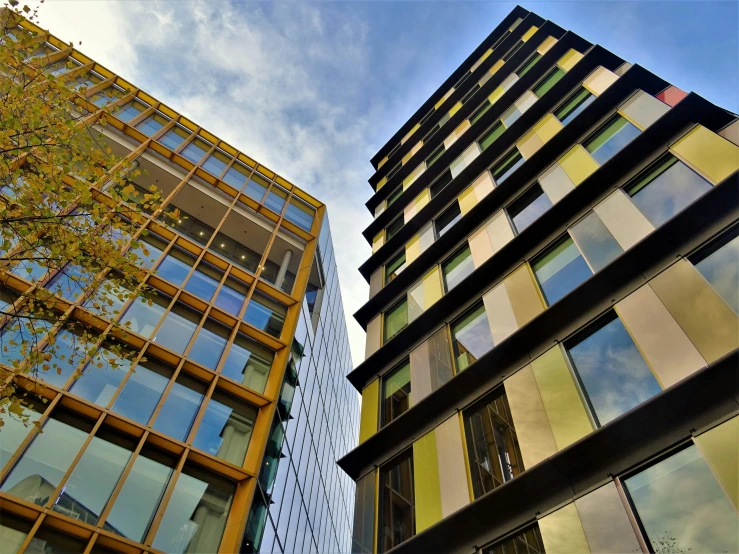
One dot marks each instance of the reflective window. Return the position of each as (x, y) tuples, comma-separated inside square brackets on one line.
[(507, 166), (447, 220), (178, 327), (101, 376), (209, 343), (226, 428), (142, 391), (397, 504), (248, 363), (719, 264), (195, 151), (528, 64), (490, 136), (613, 372), (217, 162), (256, 187), (142, 318), (175, 266), (196, 513), (71, 281), (574, 105), (131, 110), (204, 281), (300, 214), (492, 446), (231, 296), (610, 139), (394, 227), (19, 337), (109, 297), (393, 196), (435, 155), (681, 506), (174, 137), (512, 51), (548, 82), (236, 175), (470, 93), (393, 269), (479, 112), (525, 542), (149, 250), (560, 270), (665, 189), (265, 313), (396, 319), (528, 207), (106, 96), (510, 116), (595, 241), (180, 407), (66, 350), (457, 268), (471, 337), (396, 393), (152, 124), (14, 429), (275, 199)]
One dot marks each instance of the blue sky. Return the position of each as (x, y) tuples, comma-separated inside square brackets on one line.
[(313, 90)]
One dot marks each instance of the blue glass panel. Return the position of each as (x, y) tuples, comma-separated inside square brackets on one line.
[(208, 347), (721, 269), (229, 300), (173, 270), (70, 282), (201, 285), (604, 151), (141, 393), (561, 270), (101, 377), (179, 409)]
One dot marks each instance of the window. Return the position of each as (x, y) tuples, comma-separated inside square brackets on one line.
[(226, 428), (275, 199), (471, 337), (665, 189), (457, 268), (176, 265), (71, 281), (106, 96), (256, 187), (525, 542), (560, 270), (231, 296), (492, 446), (142, 318), (237, 175), (548, 82), (149, 249), (479, 112), (448, 219), (512, 51), (396, 393), (180, 407), (14, 529), (209, 344), (470, 93), (67, 350), (217, 162), (195, 151), (152, 124), (491, 136), (300, 213), (174, 137), (394, 170), (265, 313), (393, 269), (396, 318), (440, 183), (613, 373), (528, 64), (248, 363), (507, 166), (142, 391), (435, 155), (15, 430), (719, 264), (102, 375), (108, 298), (394, 227), (528, 207), (681, 506), (502, 38), (397, 505), (393, 196), (462, 79), (204, 281), (510, 116), (610, 139), (595, 241), (574, 105), (425, 118), (131, 110), (431, 133)]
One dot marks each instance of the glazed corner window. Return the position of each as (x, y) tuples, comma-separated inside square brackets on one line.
[(394, 227), (479, 112), (507, 166), (396, 318), (528, 207), (574, 105), (528, 64), (131, 110), (174, 137), (492, 446), (457, 268), (491, 136), (152, 124), (551, 79), (610, 139), (665, 189), (612, 371), (393, 269), (397, 503), (560, 270), (471, 337), (396, 393), (719, 264), (446, 220), (435, 155)]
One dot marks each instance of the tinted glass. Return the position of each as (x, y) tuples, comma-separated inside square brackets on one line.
[(178, 327), (174, 137), (471, 337), (560, 270), (70, 282), (142, 318), (611, 139), (459, 267), (152, 125), (15, 431), (393, 228), (448, 219), (396, 319), (720, 266), (574, 105), (175, 266), (436, 154), (527, 209), (226, 428), (595, 241), (491, 136), (236, 175), (142, 391), (67, 352), (230, 299), (507, 166), (204, 281), (101, 377), (548, 82), (180, 408), (479, 112), (245, 365), (216, 163), (263, 316), (396, 393), (528, 64), (195, 150), (397, 510), (209, 344), (393, 269)]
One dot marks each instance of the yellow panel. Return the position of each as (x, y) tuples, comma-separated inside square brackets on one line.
[(604, 520), (495, 96), (624, 221), (450, 451), (720, 446), (478, 190), (464, 159), (499, 230), (643, 110), (382, 162), (378, 241), (707, 320), (381, 183), (530, 33), (569, 60), (425, 293), (555, 183), (416, 205), (712, 155), (407, 157), (426, 482), (467, 200), (546, 45), (375, 282), (499, 312), (529, 144), (524, 295), (415, 174), (547, 127), (479, 62), (373, 337), (562, 532), (480, 247), (529, 417), (496, 66), (662, 342), (578, 164), (599, 80), (370, 413), (408, 135), (443, 99), (419, 243), (562, 402), (455, 109)]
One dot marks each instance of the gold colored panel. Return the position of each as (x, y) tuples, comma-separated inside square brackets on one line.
[(496, 94), (529, 144), (408, 155), (496, 66), (419, 243), (623, 68), (480, 247), (374, 336), (375, 282), (731, 132), (555, 183), (467, 200), (383, 161), (662, 342), (530, 419), (431, 365), (569, 60), (526, 100), (482, 59), (707, 320), (450, 452), (546, 45), (547, 127), (605, 523), (408, 135), (416, 205), (623, 220), (455, 109), (562, 402), (712, 155), (562, 532), (643, 110), (425, 293), (443, 99), (578, 164), (499, 312), (370, 410), (499, 230), (415, 174), (524, 295), (479, 189), (378, 241), (720, 447), (381, 183), (530, 33), (509, 81), (426, 486), (599, 80), (464, 159)]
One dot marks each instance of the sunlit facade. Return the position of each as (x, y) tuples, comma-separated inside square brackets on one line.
[(553, 319), (220, 434)]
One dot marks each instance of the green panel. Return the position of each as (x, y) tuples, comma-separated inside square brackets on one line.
[(491, 136), (542, 88), (605, 135)]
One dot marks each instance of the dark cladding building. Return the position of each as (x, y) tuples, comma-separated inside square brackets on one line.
[(552, 323)]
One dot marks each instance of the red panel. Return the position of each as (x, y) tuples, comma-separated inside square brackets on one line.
[(671, 95)]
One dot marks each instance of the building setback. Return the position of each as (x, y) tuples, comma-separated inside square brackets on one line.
[(552, 325), (224, 439)]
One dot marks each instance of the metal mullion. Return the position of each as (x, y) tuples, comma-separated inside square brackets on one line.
[(631, 515), (206, 314), (154, 526), (31, 533), (90, 543), (141, 117), (229, 166), (188, 140), (164, 130), (201, 413), (236, 522), (165, 394)]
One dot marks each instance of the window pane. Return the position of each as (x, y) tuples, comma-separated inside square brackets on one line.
[(459, 267), (525, 542), (142, 318), (492, 445), (394, 268), (130, 110), (20, 337), (178, 327), (275, 199), (248, 363), (152, 124), (50, 541), (720, 266), (397, 510), (108, 298), (491, 136), (14, 430), (236, 175), (231, 296), (204, 281), (666, 190), (216, 163), (548, 82), (486, 105), (396, 319), (195, 150), (209, 344), (595, 241), (101, 376), (510, 116), (256, 187), (615, 376), (611, 139), (393, 196), (527, 209), (174, 137), (526, 67), (106, 96), (142, 391), (196, 513), (67, 351), (393, 228), (507, 166), (175, 266), (71, 281), (226, 428), (682, 507), (265, 314), (149, 250), (435, 155), (572, 107), (471, 337), (447, 220), (180, 407), (396, 393), (300, 214), (560, 270)]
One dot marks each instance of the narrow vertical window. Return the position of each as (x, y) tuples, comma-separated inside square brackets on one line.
[(396, 393), (397, 507)]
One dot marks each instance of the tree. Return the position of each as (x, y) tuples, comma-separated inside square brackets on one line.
[(64, 220)]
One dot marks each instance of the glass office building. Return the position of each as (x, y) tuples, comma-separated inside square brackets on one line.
[(553, 319), (219, 432)]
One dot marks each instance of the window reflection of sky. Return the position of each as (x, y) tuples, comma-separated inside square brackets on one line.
[(721, 269)]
